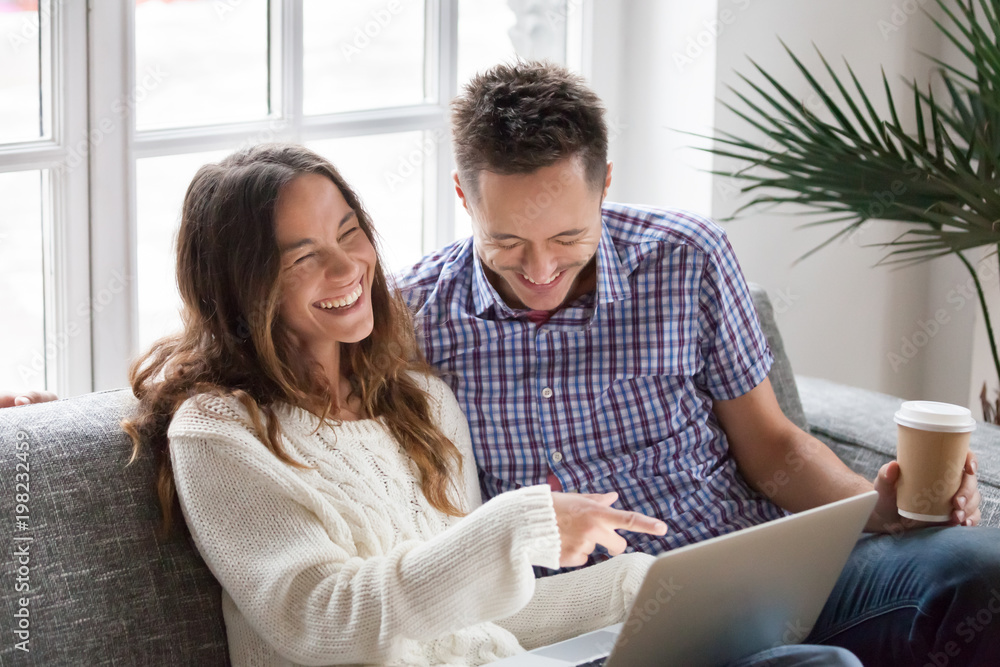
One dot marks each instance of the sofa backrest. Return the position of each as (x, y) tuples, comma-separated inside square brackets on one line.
[(781, 375), (101, 589)]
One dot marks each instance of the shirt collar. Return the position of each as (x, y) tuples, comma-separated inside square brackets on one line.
[(612, 279), (483, 294)]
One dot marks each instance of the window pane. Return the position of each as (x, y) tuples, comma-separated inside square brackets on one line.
[(200, 62), (22, 297), (160, 186), (22, 23), (367, 54), (388, 173), (483, 36)]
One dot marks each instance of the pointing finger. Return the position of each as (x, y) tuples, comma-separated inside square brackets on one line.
[(636, 523)]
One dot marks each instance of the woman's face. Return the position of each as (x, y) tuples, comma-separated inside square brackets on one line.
[(327, 267)]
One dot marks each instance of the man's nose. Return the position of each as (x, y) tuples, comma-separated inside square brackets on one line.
[(539, 265)]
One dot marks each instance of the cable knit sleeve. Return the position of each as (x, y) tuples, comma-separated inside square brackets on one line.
[(262, 532), (570, 604)]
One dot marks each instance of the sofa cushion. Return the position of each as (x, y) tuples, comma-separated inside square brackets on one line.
[(781, 376), (102, 589)]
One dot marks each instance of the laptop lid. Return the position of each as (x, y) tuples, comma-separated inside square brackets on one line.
[(722, 599), (728, 597)]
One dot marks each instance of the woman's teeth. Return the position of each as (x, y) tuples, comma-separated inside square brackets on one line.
[(546, 282), (342, 303)]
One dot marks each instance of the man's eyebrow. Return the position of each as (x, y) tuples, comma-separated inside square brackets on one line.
[(568, 232), (304, 242)]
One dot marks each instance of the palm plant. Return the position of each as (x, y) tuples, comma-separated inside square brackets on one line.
[(940, 178)]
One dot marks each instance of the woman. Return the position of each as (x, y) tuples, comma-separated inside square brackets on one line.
[(10, 399), (326, 476)]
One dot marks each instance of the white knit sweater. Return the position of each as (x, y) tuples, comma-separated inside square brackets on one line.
[(347, 563)]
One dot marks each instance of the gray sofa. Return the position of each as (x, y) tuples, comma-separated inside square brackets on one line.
[(103, 590)]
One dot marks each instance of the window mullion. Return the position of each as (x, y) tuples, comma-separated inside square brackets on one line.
[(292, 69), (580, 37), (439, 226), (155, 143), (28, 156), (49, 50), (113, 284), (68, 336), (375, 121)]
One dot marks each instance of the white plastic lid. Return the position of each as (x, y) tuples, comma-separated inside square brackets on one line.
[(934, 416)]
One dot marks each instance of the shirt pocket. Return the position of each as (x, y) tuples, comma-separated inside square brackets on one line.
[(651, 397)]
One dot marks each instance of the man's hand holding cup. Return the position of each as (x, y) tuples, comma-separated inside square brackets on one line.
[(933, 481)]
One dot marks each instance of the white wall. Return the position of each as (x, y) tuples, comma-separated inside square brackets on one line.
[(660, 65), (651, 94)]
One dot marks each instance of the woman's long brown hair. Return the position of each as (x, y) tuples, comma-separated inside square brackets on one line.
[(233, 342)]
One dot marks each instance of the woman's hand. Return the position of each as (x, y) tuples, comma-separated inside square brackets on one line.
[(587, 519), (9, 399)]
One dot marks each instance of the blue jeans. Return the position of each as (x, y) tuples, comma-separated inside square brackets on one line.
[(927, 598), (800, 655)]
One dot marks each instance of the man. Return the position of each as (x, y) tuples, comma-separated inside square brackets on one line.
[(603, 347)]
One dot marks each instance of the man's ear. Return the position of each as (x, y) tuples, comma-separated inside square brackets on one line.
[(607, 181), (460, 192)]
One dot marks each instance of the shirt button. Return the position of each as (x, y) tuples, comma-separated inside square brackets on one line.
[(557, 456), (547, 392)]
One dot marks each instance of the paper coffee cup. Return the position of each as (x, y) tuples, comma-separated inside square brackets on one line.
[(932, 447)]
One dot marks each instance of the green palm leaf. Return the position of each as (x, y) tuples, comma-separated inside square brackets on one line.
[(941, 177)]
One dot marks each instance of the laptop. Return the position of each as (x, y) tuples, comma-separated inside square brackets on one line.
[(725, 598)]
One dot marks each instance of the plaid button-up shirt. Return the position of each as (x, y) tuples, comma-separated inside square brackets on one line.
[(614, 392)]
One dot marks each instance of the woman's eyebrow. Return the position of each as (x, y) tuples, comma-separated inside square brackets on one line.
[(350, 214), (298, 244), (304, 242)]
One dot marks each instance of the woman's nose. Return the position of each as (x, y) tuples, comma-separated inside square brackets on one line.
[(338, 265)]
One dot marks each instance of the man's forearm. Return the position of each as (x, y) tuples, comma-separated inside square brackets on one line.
[(808, 474), (780, 460)]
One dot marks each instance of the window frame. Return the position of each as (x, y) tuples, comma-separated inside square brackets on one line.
[(113, 197), (90, 209), (67, 343)]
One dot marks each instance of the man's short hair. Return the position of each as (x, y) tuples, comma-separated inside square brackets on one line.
[(517, 118)]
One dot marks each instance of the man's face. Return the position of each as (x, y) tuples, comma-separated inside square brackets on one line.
[(535, 233)]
